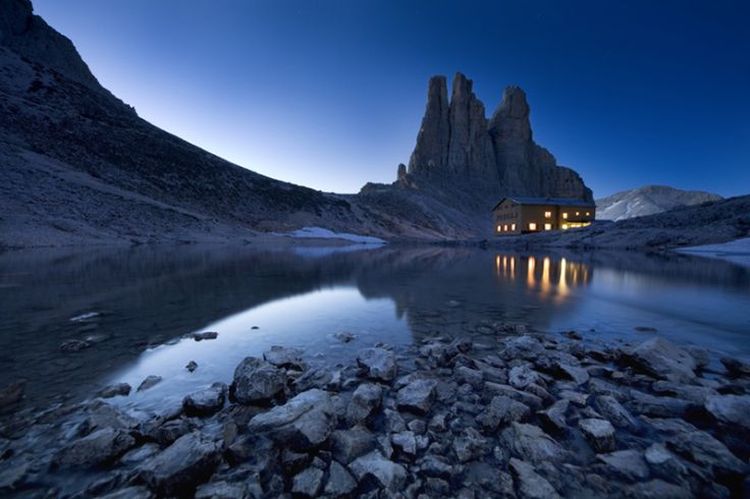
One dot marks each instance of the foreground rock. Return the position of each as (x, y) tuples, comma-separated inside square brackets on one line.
[(662, 359), (190, 460), (378, 363), (257, 381), (302, 424)]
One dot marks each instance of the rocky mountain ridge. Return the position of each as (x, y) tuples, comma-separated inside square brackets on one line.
[(648, 200), (81, 167)]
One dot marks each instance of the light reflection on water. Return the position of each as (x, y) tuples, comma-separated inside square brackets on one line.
[(137, 304)]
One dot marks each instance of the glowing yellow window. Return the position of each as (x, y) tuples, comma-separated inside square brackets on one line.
[(499, 228), (578, 213), (547, 226), (565, 226), (505, 227), (565, 216), (588, 213), (547, 214), (532, 226), (513, 227)]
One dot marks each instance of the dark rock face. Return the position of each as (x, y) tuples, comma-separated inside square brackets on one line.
[(458, 146)]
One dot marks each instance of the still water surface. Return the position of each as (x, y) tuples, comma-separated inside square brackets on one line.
[(137, 306)]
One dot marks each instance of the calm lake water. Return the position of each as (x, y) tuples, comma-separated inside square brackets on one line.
[(137, 306)]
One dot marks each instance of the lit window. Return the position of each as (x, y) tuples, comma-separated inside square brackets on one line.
[(547, 214), (513, 227), (578, 213), (565, 216), (547, 226), (505, 227), (532, 226), (499, 228), (588, 213)]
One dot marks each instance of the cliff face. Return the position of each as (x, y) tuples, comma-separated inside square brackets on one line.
[(458, 146)]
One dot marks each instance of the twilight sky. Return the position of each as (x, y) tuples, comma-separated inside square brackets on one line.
[(330, 94)]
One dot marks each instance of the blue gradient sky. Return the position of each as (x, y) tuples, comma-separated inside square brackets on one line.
[(330, 94)]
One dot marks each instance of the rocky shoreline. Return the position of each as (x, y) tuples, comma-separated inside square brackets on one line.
[(513, 415)]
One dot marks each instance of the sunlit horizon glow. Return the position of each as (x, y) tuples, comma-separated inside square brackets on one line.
[(330, 94)]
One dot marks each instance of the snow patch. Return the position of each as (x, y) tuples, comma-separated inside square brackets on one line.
[(321, 233), (737, 251)]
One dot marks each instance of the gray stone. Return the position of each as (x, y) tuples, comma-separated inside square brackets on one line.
[(365, 401), (502, 410), (625, 464), (257, 381), (599, 432), (522, 376), (464, 374), (553, 418), (528, 399), (149, 382), (405, 442), (283, 357), (207, 335), (661, 407), (532, 444), (576, 398), (692, 393), (191, 366), (417, 396), (577, 374), (139, 454), (469, 445), (340, 481), (378, 363), (118, 389), (205, 402), (618, 415), (706, 451), (100, 447), (303, 423), (389, 475), (348, 445), (732, 410), (344, 336), (658, 489), (221, 490), (190, 460), (308, 482), (736, 367), (531, 485), (135, 492), (664, 464), (522, 347), (661, 359)]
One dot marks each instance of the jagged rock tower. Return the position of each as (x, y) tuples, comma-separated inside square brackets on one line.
[(458, 148)]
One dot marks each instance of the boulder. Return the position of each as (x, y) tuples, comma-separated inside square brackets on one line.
[(618, 415), (303, 423), (469, 445), (706, 451), (663, 463), (340, 483), (660, 407), (100, 447), (417, 396), (221, 490), (190, 460), (530, 484), (405, 442), (388, 475), (502, 410), (207, 335), (378, 363), (625, 464), (118, 389), (553, 418), (257, 381), (735, 367), (599, 432), (528, 399), (732, 410), (286, 358), (365, 401), (531, 444), (522, 347), (661, 359), (347, 445), (522, 376), (149, 382), (205, 402), (308, 482)]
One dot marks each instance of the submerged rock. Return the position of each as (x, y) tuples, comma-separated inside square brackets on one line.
[(118, 389), (149, 382), (205, 402), (191, 366), (303, 423), (257, 381), (378, 363), (207, 335), (11, 395)]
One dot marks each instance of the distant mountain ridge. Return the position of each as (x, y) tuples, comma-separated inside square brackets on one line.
[(648, 200)]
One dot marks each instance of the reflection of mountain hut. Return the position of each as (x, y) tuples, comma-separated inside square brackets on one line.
[(521, 215), (549, 275)]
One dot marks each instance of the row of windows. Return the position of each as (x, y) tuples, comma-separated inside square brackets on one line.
[(548, 214), (504, 228)]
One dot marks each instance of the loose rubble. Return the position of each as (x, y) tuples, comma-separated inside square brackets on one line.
[(530, 416)]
